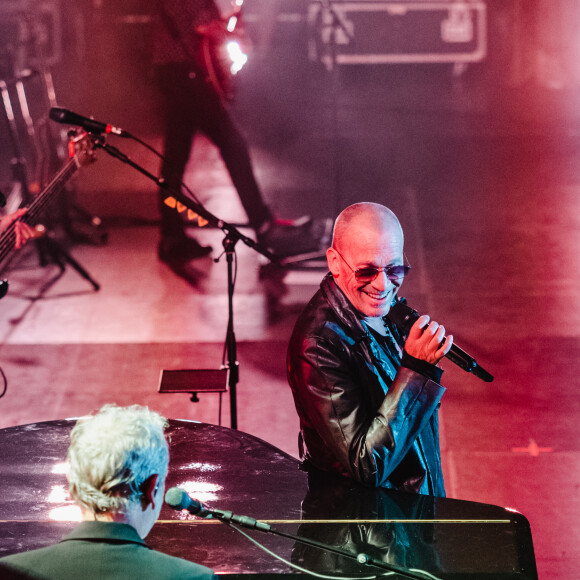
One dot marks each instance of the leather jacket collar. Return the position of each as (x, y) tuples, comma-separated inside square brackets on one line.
[(344, 311)]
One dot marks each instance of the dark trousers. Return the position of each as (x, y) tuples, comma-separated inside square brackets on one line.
[(191, 105)]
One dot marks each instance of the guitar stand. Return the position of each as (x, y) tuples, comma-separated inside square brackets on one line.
[(84, 227), (49, 247)]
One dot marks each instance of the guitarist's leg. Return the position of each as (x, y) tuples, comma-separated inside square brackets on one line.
[(180, 126), (283, 239), (219, 126)]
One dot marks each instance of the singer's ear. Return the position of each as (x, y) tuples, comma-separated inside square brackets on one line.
[(333, 261), (149, 491)]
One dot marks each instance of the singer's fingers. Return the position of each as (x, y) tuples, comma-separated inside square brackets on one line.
[(435, 330), (443, 346), (419, 326), (427, 341), (447, 345), (432, 335), (439, 334), (432, 339)]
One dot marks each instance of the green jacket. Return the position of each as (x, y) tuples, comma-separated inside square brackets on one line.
[(100, 551)]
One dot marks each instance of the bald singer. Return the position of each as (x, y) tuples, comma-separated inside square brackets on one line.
[(367, 397)]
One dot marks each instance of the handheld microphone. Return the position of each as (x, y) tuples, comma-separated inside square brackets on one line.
[(67, 117), (403, 317), (178, 499)]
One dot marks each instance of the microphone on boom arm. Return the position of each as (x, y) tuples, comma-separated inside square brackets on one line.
[(178, 499), (67, 117), (403, 317)]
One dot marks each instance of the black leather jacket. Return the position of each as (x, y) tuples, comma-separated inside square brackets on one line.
[(339, 373)]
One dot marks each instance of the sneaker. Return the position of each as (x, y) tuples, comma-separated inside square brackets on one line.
[(303, 237), (181, 249)]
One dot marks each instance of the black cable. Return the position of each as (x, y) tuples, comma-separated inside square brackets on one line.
[(154, 151), (410, 573)]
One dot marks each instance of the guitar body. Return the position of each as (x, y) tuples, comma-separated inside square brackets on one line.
[(222, 53)]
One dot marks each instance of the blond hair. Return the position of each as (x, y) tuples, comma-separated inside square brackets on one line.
[(111, 455)]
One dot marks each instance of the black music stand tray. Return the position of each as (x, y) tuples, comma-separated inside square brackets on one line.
[(194, 381)]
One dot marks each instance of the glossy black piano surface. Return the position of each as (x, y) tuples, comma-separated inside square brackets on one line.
[(232, 470)]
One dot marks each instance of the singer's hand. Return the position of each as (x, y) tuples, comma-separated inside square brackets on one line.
[(427, 340)]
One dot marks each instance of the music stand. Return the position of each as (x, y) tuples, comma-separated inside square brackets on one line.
[(194, 381)]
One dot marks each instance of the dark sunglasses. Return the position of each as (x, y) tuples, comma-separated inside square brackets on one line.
[(369, 273)]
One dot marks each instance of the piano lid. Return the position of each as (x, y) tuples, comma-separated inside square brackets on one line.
[(232, 470)]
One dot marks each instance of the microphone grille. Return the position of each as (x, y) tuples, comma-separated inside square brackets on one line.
[(176, 498), (57, 114)]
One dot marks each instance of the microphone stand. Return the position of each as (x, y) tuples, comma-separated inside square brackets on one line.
[(229, 243), (228, 518), (232, 237)]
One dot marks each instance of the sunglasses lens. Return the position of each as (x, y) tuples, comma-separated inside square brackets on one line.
[(397, 271), (366, 274), (369, 274)]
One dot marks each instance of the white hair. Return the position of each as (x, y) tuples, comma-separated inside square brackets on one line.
[(112, 454)]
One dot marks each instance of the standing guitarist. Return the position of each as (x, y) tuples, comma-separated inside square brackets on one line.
[(186, 33)]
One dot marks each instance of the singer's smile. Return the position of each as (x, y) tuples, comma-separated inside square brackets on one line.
[(365, 246)]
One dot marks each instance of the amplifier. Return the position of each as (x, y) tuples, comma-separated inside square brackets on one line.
[(29, 32), (384, 32)]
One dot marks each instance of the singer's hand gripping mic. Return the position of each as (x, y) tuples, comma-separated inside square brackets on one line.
[(403, 317)]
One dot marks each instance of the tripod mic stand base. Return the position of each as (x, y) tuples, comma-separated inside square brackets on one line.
[(48, 245)]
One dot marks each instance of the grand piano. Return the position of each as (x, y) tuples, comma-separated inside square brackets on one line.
[(232, 470)]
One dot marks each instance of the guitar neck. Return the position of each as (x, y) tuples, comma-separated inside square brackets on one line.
[(38, 205)]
